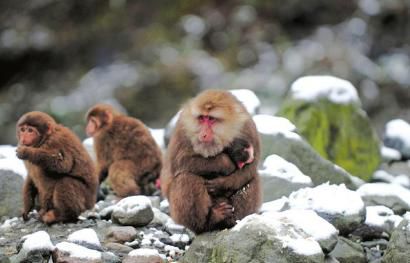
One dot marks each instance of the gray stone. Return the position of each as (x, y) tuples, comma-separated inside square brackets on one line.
[(121, 234), (256, 239), (398, 249), (160, 218), (133, 211), (143, 255), (11, 200), (347, 251)]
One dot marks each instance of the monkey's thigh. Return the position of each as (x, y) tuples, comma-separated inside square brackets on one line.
[(69, 198), (121, 175), (247, 201), (189, 201)]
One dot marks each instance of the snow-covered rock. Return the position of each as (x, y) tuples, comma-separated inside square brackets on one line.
[(36, 247), (390, 154), (133, 210), (280, 178), (382, 217), (87, 238), (385, 177), (248, 99), (397, 136), (338, 205), (393, 196), (278, 137), (143, 255)]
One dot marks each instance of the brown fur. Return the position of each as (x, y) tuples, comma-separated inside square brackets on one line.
[(126, 152), (198, 199), (60, 171)]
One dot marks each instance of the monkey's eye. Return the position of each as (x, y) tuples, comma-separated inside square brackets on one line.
[(22, 129), (30, 130)]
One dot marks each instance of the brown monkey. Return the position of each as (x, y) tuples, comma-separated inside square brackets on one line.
[(60, 171), (240, 152), (198, 199), (126, 151)]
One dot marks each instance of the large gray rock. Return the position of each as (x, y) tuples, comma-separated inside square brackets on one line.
[(393, 196), (278, 137), (338, 205), (347, 251), (398, 249), (281, 178), (256, 238), (11, 185)]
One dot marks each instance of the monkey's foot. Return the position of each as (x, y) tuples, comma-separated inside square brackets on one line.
[(221, 211), (49, 217)]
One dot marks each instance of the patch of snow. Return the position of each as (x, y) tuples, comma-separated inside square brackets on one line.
[(8, 223), (9, 160), (77, 251), (297, 241), (267, 124), (390, 153), (313, 88), (87, 235), (379, 215), (383, 189), (399, 129), (132, 204), (331, 199), (144, 252), (248, 98), (180, 238), (384, 176), (277, 205), (37, 241), (158, 135), (276, 166)]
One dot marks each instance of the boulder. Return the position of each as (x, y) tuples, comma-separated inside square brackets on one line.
[(327, 112), (278, 137), (36, 247), (398, 249), (133, 211), (143, 255), (348, 251), (397, 136)]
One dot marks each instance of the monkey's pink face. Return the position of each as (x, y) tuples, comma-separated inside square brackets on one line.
[(93, 125), (206, 132), (28, 135)]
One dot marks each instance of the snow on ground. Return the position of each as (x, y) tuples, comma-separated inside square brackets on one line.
[(87, 235), (9, 160), (267, 124), (132, 204), (390, 154), (297, 241), (399, 129), (313, 88), (276, 166), (77, 251), (275, 205), (380, 215), (145, 252), (37, 241), (248, 98), (384, 176), (307, 220), (331, 199), (384, 189)]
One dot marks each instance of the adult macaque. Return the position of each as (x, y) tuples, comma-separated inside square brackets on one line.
[(205, 188), (60, 171), (126, 151)]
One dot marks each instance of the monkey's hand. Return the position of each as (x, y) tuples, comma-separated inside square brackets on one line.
[(25, 215), (215, 186), (23, 152)]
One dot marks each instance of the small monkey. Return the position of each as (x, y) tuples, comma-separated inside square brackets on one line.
[(60, 171), (206, 188), (126, 151)]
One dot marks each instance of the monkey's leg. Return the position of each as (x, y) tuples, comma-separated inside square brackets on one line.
[(121, 175), (29, 194), (68, 201), (189, 201), (247, 200)]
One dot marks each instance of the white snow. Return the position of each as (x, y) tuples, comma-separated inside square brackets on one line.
[(399, 129), (37, 241), (383, 189), (9, 160), (132, 204), (87, 235), (8, 223), (390, 153), (143, 252), (276, 166), (158, 135), (275, 205), (384, 176), (331, 199), (267, 124), (180, 237), (77, 251), (248, 98), (313, 88), (308, 221), (380, 216), (295, 239)]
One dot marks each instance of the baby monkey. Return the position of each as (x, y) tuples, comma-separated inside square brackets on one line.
[(240, 152)]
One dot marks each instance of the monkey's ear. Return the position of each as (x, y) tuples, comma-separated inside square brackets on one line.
[(49, 128), (109, 116)]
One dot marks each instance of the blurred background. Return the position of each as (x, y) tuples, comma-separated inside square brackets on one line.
[(150, 56)]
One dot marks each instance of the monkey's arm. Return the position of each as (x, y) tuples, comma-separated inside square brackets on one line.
[(50, 159), (29, 194), (220, 164)]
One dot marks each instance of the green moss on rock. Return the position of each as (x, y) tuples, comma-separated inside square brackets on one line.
[(341, 133)]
